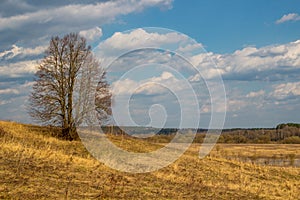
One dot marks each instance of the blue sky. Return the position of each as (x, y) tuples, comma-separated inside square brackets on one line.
[(222, 26), (255, 44)]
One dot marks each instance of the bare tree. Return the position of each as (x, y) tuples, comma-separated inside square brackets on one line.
[(67, 79)]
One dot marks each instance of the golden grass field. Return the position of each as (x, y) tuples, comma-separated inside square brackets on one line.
[(34, 165)]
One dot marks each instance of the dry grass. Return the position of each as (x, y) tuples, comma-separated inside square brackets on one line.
[(34, 165), (262, 150)]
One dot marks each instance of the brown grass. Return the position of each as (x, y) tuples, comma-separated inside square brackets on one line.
[(34, 165)]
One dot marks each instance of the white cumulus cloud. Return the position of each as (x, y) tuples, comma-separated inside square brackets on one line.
[(286, 90), (9, 91), (91, 34), (140, 38), (288, 17), (150, 86), (275, 62), (259, 93), (18, 69), (22, 52)]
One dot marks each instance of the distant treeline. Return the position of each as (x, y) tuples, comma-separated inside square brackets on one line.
[(281, 126), (283, 133)]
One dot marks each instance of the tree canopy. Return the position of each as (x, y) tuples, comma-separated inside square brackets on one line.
[(68, 77)]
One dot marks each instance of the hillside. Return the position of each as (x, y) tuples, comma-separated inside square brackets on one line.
[(34, 165)]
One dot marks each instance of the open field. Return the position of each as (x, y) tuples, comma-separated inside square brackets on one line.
[(34, 165), (263, 154)]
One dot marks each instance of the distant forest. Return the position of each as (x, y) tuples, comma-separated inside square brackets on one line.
[(283, 133)]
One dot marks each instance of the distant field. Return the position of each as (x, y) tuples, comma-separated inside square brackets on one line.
[(284, 155), (34, 165)]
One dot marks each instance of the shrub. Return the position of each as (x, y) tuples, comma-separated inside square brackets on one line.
[(292, 140)]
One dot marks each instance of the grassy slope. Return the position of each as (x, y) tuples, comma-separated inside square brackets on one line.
[(36, 166)]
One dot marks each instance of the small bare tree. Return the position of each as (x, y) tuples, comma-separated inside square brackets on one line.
[(67, 79)]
